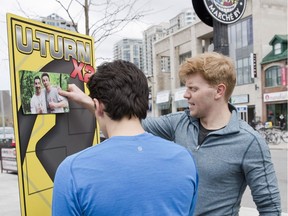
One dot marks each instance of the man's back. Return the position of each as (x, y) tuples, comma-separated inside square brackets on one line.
[(129, 175)]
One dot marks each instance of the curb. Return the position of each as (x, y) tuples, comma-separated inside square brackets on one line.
[(281, 146)]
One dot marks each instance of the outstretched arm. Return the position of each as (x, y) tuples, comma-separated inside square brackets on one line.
[(261, 178), (77, 95)]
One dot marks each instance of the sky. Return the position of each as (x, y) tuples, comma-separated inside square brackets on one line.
[(156, 11)]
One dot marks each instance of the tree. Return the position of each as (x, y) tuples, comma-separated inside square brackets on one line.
[(111, 16), (102, 18)]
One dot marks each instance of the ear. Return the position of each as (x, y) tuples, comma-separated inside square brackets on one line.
[(220, 91), (99, 108)]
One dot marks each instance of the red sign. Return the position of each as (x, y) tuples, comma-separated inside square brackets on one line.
[(284, 76)]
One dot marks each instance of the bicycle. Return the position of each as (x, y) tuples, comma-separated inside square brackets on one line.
[(272, 135)]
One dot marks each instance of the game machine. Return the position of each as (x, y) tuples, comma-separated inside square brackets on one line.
[(45, 137)]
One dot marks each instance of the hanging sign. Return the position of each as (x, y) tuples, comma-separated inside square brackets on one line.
[(226, 11)]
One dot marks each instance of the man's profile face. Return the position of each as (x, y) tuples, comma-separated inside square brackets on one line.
[(200, 95)]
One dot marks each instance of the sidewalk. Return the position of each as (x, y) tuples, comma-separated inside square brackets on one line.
[(252, 212), (281, 146), (9, 195)]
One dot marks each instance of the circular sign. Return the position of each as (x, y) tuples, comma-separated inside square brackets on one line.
[(202, 13), (226, 11)]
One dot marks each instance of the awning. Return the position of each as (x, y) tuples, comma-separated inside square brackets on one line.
[(163, 100), (179, 99), (163, 97)]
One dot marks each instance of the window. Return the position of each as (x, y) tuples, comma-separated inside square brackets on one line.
[(240, 80), (243, 71), (273, 76), (244, 34), (184, 56), (165, 64), (238, 35), (240, 46), (277, 48), (241, 33)]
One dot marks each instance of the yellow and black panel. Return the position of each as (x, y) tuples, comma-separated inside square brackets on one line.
[(44, 140)]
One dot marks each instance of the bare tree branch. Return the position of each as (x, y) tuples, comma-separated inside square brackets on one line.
[(68, 13), (21, 9), (107, 16)]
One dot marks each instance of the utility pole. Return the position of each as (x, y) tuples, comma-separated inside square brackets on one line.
[(220, 37)]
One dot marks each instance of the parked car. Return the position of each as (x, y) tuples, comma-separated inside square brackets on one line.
[(6, 138), (6, 134)]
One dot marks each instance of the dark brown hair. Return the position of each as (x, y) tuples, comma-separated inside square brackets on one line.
[(123, 89)]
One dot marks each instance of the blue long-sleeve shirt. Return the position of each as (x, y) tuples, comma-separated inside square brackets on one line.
[(228, 160)]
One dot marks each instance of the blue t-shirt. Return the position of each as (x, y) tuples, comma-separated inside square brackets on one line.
[(127, 175)]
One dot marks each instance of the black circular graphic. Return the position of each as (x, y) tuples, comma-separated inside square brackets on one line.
[(226, 11)]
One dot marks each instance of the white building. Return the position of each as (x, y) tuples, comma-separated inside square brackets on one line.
[(58, 21), (150, 35), (184, 18), (129, 50), (156, 32)]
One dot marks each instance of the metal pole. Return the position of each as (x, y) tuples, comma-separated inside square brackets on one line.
[(220, 37)]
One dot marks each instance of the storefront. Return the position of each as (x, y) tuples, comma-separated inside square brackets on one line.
[(245, 112), (275, 105), (274, 81)]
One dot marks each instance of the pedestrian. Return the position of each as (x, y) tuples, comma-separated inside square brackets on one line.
[(132, 172), (253, 124), (229, 154), (282, 122)]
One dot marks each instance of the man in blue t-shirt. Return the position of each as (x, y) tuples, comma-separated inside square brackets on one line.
[(132, 172)]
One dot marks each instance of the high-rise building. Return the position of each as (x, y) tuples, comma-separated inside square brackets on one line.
[(58, 21), (156, 32), (184, 18), (129, 49), (151, 35)]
